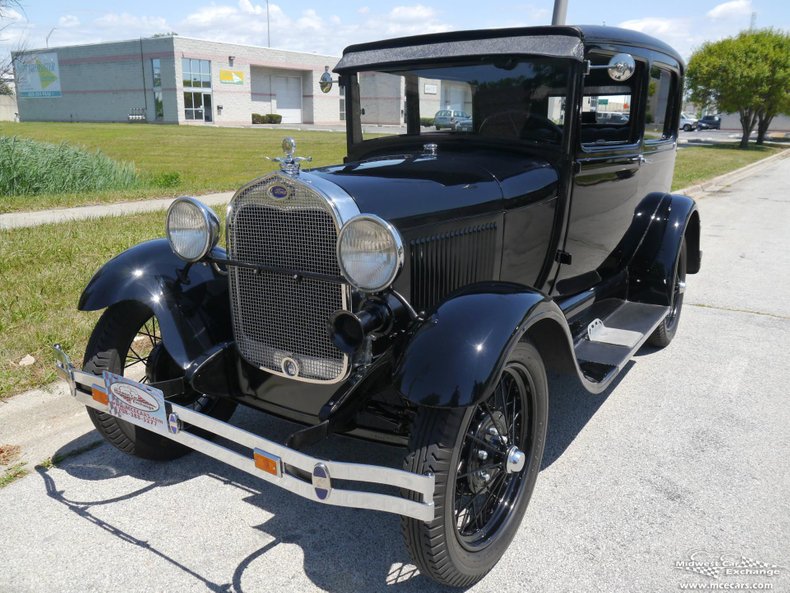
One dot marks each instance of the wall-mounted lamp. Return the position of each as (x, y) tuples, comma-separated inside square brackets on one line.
[(219, 109), (230, 60)]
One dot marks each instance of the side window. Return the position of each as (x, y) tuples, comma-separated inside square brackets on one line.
[(659, 106), (608, 107)]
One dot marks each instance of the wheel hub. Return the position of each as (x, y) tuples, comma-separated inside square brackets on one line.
[(489, 441)]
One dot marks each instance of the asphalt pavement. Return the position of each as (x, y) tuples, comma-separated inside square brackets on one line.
[(685, 459)]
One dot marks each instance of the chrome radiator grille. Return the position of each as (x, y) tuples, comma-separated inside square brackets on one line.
[(279, 320)]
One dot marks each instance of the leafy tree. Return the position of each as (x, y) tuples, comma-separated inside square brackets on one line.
[(776, 94), (748, 74), (6, 66)]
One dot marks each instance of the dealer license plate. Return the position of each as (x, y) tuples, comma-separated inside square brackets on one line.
[(137, 403)]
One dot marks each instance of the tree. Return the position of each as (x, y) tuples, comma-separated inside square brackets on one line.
[(6, 65), (776, 93), (747, 74)]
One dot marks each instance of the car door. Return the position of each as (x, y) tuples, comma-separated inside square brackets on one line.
[(605, 188)]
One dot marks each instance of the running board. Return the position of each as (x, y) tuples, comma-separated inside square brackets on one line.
[(609, 343)]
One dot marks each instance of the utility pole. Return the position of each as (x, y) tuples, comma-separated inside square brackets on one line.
[(268, 27), (560, 10), (753, 22)]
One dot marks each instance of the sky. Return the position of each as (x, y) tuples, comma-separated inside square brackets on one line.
[(327, 27)]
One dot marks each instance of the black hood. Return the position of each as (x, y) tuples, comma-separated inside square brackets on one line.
[(414, 189)]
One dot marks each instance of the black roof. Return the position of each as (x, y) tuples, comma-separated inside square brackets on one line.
[(557, 41)]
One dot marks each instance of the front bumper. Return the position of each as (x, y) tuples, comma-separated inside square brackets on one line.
[(267, 458)]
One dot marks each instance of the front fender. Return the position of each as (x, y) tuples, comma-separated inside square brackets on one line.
[(652, 269), (454, 358), (193, 315)]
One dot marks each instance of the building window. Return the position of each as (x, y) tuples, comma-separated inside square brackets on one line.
[(156, 83), (196, 73), (342, 103), (196, 76), (159, 107), (156, 71)]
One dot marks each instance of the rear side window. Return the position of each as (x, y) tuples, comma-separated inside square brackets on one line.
[(608, 107), (659, 106)]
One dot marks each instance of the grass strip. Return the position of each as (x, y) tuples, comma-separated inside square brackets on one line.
[(12, 474)]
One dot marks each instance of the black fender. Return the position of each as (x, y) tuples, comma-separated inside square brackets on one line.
[(193, 309), (455, 356), (651, 269)]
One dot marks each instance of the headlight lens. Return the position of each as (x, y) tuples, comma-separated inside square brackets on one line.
[(370, 252), (192, 228)]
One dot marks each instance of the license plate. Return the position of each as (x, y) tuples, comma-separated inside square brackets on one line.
[(137, 403)]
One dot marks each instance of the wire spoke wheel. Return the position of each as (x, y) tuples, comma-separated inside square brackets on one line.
[(484, 490), (485, 458)]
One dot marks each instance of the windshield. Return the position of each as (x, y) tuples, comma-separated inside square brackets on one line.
[(510, 99)]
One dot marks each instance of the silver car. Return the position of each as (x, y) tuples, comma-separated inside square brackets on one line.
[(687, 123), (446, 118)]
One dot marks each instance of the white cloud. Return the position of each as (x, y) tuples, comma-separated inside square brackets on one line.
[(307, 30), (732, 9), (653, 25), (129, 25), (418, 12), (68, 20)]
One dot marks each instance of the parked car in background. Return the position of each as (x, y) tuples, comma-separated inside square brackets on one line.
[(446, 118), (709, 122), (687, 123), (415, 294), (463, 124)]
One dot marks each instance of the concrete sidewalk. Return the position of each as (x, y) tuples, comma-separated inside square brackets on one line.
[(14, 220)]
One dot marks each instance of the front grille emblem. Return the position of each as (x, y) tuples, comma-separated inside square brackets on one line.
[(278, 192), (290, 367)]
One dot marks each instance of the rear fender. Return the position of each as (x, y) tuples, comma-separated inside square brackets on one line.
[(455, 357), (193, 311), (651, 271)]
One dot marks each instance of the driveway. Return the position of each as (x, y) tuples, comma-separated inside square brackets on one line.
[(681, 468)]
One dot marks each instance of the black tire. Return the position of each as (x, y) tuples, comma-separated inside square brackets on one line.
[(667, 329), (687, 128), (450, 549), (438, 128), (108, 349)]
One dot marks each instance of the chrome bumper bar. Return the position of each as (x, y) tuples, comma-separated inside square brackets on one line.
[(268, 458)]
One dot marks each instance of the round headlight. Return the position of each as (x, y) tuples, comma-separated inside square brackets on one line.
[(370, 252), (192, 228)]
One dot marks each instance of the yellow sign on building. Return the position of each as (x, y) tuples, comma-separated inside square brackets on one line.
[(231, 76)]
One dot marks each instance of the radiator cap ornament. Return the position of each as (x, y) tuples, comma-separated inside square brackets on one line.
[(289, 164)]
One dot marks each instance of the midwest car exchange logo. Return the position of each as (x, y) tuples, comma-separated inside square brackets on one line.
[(716, 565)]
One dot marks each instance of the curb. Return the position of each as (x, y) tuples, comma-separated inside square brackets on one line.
[(701, 190)]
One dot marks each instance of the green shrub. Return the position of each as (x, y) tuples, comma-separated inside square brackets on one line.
[(267, 118), (31, 167), (426, 122)]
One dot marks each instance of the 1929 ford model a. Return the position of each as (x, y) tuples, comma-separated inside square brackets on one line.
[(416, 293)]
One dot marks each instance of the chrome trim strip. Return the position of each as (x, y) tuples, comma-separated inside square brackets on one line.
[(339, 470)]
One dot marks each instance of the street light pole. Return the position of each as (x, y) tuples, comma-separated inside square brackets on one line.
[(268, 27), (48, 34), (560, 10)]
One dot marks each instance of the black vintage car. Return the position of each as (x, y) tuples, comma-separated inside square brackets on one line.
[(417, 293)]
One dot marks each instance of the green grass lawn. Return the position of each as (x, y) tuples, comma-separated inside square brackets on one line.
[(695, 164), (207, 159)]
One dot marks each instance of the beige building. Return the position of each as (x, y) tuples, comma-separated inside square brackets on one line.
[(173, 79)]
